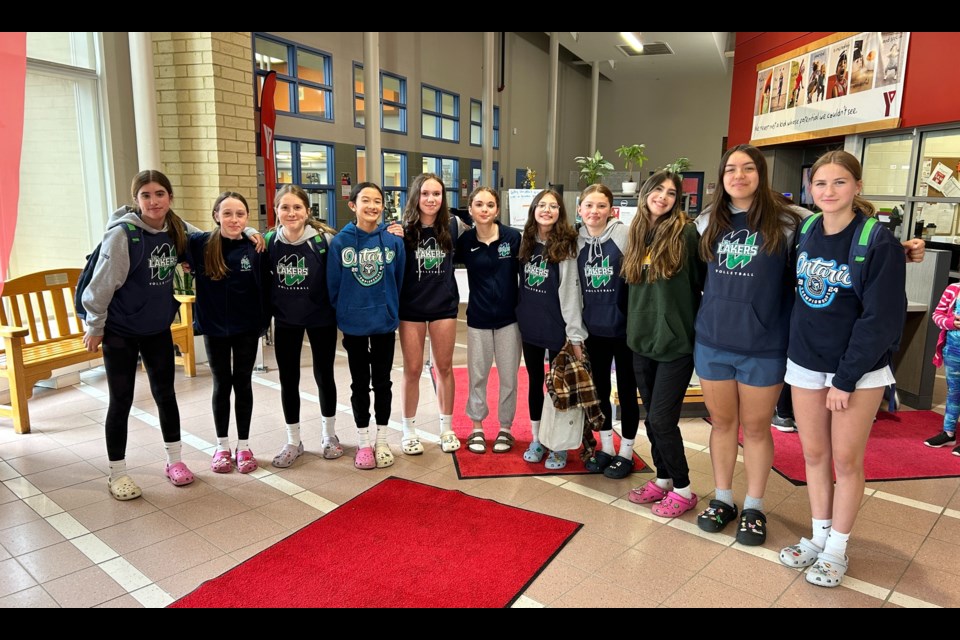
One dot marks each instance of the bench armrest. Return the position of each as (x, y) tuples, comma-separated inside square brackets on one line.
[(14, 332), (186, 299)]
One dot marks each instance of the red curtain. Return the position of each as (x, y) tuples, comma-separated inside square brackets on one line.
[(13, 73), (268, 120)]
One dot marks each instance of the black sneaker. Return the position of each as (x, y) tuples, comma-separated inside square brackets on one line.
[(956, 451), (717, 516), (942, 439), (787, 425), (753, 528)]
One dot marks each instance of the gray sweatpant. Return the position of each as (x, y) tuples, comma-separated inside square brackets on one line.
[(483, 347)]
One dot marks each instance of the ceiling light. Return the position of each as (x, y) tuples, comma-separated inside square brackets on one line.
[(633, 39)]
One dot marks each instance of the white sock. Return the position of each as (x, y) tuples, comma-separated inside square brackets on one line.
[(223, 444), (382, 433), (293, 434), (606, 442), (665, 483), (837, 544), (172, 450), (363, 437), (329, 426), (409, 428), (243, 445), (535, 430), (117, 469), (821, 529), (626, 448), (446, 423), (685, 492)]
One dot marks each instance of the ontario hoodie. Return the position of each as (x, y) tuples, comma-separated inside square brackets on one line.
[(297, 285), (604, 291), (131, 291), (364, 277)]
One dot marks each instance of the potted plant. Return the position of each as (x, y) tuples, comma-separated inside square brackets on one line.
[(632, 155), (678, 166), (593, 168)]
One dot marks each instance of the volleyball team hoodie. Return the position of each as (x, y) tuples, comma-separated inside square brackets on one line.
[(364, 278), (599, 260)]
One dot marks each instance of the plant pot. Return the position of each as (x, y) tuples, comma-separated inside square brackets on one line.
[(628, 187)]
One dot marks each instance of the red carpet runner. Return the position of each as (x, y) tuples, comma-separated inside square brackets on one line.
[(500, 465), (399, 544), (895, 450)]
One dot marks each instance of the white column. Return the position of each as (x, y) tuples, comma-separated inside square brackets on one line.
[(594, 105), (486, 161), (144, 100), (552, 91), (371, 105)]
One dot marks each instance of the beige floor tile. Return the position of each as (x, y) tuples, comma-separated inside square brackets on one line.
[(510, 491), (898, 515), (28, 537), (65, 476), (6, 495), (182, 583), (255, 494), (652, 578), (86, 588), (930, 585), (164, 495), (310, 471), (688, 551), (745, 573), (123, 602), (939, 555), (107, 513), (556, 579), (589, 552), (290, 513), (599, 482), (208, 508), (595, 592), (32, 598), (14, 578), (26, 445), (37, 462), (936, 492), (81, 495), (141, 532), (13, 514), (4, 554), (869, 565), (886, 539), (54, 562), (173, 555), (946, 529), (801, 594), (703, 592), (403, 467), (247, 552), (346, 488), (240, 531)]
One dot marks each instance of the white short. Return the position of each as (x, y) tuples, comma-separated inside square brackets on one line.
[(798, 376)]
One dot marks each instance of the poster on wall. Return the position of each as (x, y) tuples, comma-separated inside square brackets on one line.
[(519, 205), (845, 83)]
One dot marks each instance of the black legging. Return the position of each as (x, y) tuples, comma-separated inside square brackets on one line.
[(370, 358), (533, 360), (236, 378), (663, 386), (120, 361), (288, 342), (604, 351)]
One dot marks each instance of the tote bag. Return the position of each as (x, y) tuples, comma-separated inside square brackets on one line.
[(560, 430)]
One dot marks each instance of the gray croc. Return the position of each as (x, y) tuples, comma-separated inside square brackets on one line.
[(556, 460), (287, 455), (827, 571), (331, 448), (800, 555)]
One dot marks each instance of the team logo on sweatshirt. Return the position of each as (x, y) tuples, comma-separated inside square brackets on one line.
[(536, 271), (819, 281), (292, 270), (504, 250), (598, 275), (429, 255), (367, 265), (737, 249), (245, 264), (162, 262)]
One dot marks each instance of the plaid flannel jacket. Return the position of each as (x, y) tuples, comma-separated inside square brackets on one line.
[(570, 384)]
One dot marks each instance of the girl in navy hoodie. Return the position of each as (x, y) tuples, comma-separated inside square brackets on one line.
[(364, 276), (231, 315), (845, 324), (602, 243), (550, 304)]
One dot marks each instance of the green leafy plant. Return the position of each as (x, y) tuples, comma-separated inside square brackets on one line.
[(678, 166), (632, 155), (183, 282), (593, 168)]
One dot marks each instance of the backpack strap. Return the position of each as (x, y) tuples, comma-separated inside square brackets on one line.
[(804, 231), (864, 233), (320, 243), (268, 238)]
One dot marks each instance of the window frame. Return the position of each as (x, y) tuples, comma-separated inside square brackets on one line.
[(401, 104), (295, 82), (479, 123), (296, 171), (440, 115), (453, 190)]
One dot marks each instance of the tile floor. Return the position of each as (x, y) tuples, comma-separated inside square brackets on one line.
[(64, 542)]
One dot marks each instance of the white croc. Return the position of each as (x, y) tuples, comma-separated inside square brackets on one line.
[(800, 555), (411, 446), (124, 488), (383, 454), (449, 442), (827, 571)]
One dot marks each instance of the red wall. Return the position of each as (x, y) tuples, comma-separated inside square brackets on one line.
[(931, 93)]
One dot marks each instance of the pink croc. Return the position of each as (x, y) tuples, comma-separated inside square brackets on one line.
[(246, 462), (179, 474), (646, 494), (221, 463), (674, 505), (365, 459)]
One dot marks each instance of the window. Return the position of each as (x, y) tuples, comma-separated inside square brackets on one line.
[(309, 165), (393, 101), (441, 114), (449, 170), (393, 181), (304, 77), (476, 124)]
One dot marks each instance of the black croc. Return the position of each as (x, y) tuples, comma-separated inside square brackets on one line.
[(753, 528), (598, 462), (717, 516), (618, 468)]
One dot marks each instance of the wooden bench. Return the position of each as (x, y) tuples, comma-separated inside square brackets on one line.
[(41, 332), (693, 406)]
